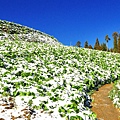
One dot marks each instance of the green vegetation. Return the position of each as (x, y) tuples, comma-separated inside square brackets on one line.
[(56, 79), (115, 94)]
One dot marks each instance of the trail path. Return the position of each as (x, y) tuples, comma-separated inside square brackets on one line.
[(103, 106)]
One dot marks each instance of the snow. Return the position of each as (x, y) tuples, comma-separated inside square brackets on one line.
[(50, 66)]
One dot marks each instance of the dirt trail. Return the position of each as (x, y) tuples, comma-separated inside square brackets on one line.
[(103, 106)]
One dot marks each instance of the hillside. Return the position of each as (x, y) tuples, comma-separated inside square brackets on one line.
[(12, 31), (44, 81)]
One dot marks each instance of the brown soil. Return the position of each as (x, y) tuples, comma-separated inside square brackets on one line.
[(103, 106)]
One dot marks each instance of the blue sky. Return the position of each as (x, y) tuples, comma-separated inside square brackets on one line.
[(66, 20)]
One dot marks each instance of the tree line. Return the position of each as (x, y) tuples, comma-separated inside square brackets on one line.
[(104, 46)]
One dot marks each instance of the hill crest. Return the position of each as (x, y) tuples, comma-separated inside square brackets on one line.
[(11, 30)]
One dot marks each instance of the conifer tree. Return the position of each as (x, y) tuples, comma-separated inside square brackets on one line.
[(86, 44), (90, 47), (97, 45), (78, 44), (111, 50), (115, 36), (118, 44), (104, 47)]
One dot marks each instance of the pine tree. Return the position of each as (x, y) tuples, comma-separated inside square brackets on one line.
[(90, 47), (97, 45), (111, 50), (115, 36), (86, 44), (104, 47), (118, 44), (78, 44)]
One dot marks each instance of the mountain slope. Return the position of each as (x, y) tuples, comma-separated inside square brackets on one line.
[(44, 81)]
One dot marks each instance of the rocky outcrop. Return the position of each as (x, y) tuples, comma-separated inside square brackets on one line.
[(13, 31)]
